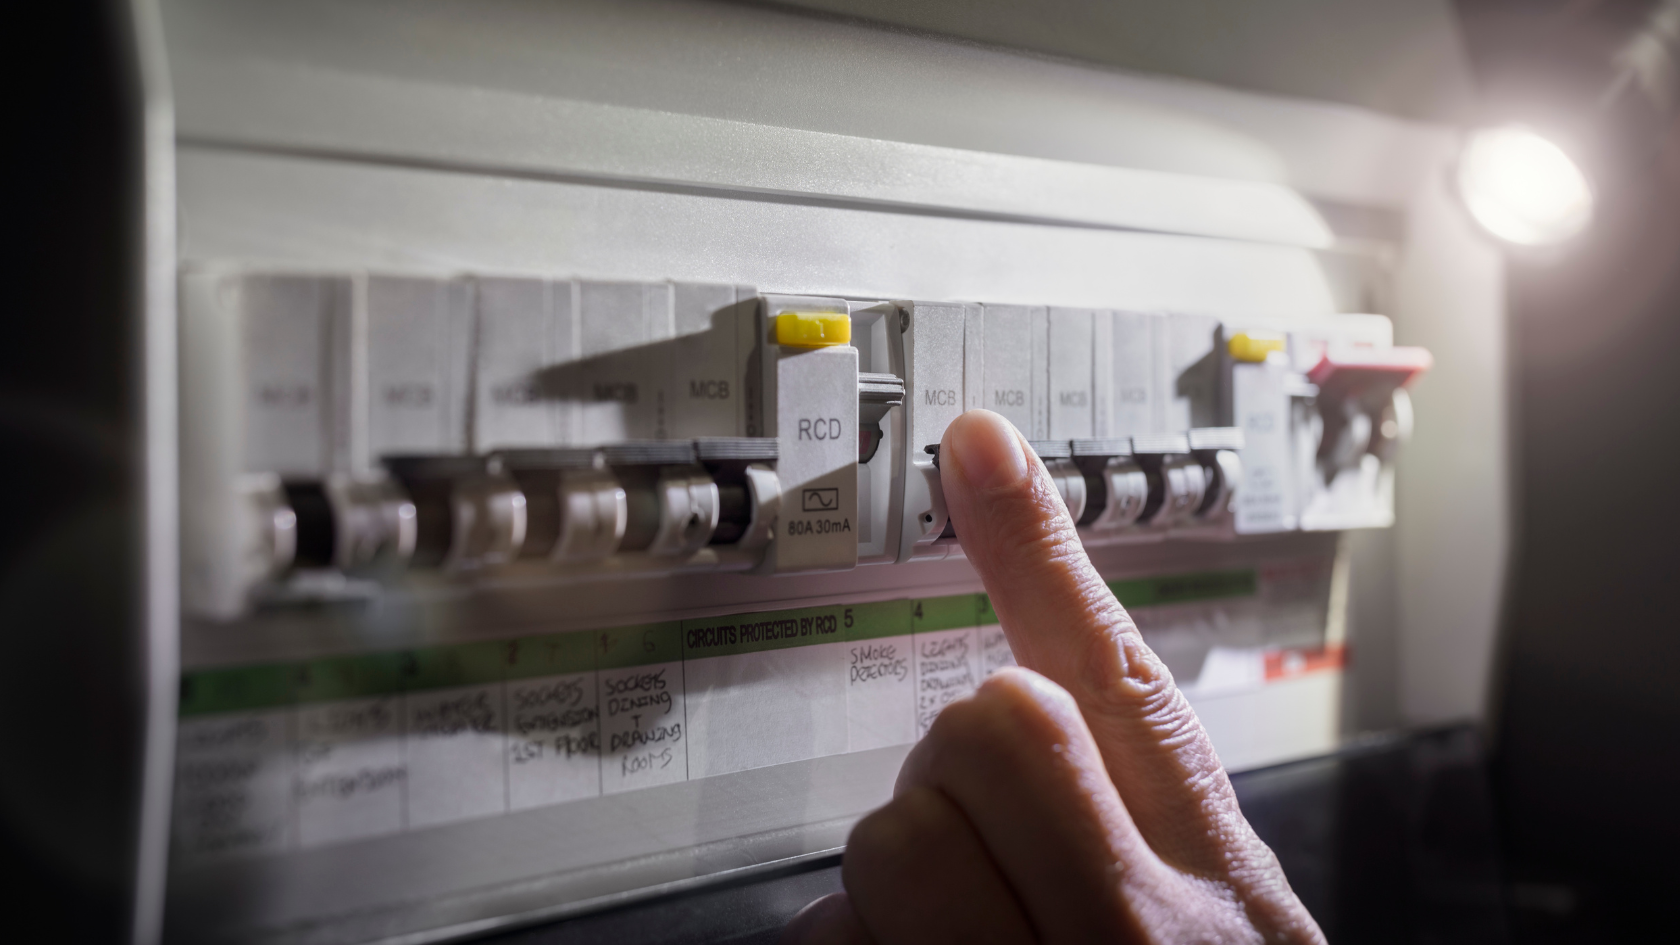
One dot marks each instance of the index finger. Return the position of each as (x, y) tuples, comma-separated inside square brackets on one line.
[(1062, 620)]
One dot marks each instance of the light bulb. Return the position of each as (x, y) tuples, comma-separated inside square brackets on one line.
[(1522, 188)]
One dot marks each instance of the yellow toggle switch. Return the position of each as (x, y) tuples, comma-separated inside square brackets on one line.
[(1254, 348), (813, 329)]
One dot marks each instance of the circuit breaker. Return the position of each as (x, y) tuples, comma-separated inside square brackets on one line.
[(637, 428)]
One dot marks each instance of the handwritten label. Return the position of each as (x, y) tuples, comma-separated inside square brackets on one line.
[(945, 672), (995, 653), (642, 727), (275, 757), (878, 661), (233, 785), (350, 770), (554, 740)]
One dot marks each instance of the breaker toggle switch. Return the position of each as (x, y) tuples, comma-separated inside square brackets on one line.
[(1177, 482), (469, 513), (1363, 404), (877, 394), (672, 501), (574, 509), (1217, 449), (1116, 487), (1057, 457), (935, 520), (353, 523), (749, 492), (267, 527)]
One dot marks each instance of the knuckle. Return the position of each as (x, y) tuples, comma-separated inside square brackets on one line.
[(1124, 676), (1173, 723)]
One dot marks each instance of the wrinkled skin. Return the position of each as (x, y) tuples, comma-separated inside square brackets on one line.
[(1076, 799)]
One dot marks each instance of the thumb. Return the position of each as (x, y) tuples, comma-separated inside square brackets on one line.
[(1064, 622)]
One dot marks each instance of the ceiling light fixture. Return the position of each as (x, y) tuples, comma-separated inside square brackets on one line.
[(1522, 188)]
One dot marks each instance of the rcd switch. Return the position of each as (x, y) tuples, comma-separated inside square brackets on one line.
[(810, 395), (1264, 389), (1323, 408), (875, 330), (877, 395), (1364, 414)]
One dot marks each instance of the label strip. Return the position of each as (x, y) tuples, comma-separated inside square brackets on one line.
[(244, 688)]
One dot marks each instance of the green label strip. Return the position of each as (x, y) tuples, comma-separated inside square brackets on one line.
[(644, 645), (555, 654), (1186, 588), (245, 688), (945, 613)]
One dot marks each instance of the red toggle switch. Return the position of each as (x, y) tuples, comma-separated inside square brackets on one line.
[(1369, 371)]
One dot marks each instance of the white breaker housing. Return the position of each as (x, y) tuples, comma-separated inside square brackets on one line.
[(344, 432)]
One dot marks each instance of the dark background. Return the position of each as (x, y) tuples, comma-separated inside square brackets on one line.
[(1586, 737), (71, 672)]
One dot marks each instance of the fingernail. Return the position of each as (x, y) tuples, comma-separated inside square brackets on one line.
[(987, 451)]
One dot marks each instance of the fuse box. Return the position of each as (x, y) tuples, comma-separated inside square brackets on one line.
[(560, 499), (396, 446)]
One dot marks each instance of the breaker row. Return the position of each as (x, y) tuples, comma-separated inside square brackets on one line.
[(357, 426)]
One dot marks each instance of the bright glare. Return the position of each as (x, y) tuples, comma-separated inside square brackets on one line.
[(1523, 188)]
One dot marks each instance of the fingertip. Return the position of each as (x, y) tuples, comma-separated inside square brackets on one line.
[(1030, 694), (830, 920), (1019, 678), (1015, 714), (984, 453)]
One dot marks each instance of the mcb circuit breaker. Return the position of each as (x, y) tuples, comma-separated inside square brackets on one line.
[(350, 434)]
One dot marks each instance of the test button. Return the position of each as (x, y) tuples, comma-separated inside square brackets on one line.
[(813, 329), (1253, 347)]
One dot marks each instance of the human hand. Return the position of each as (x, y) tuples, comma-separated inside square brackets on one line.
[(1076, 799)]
